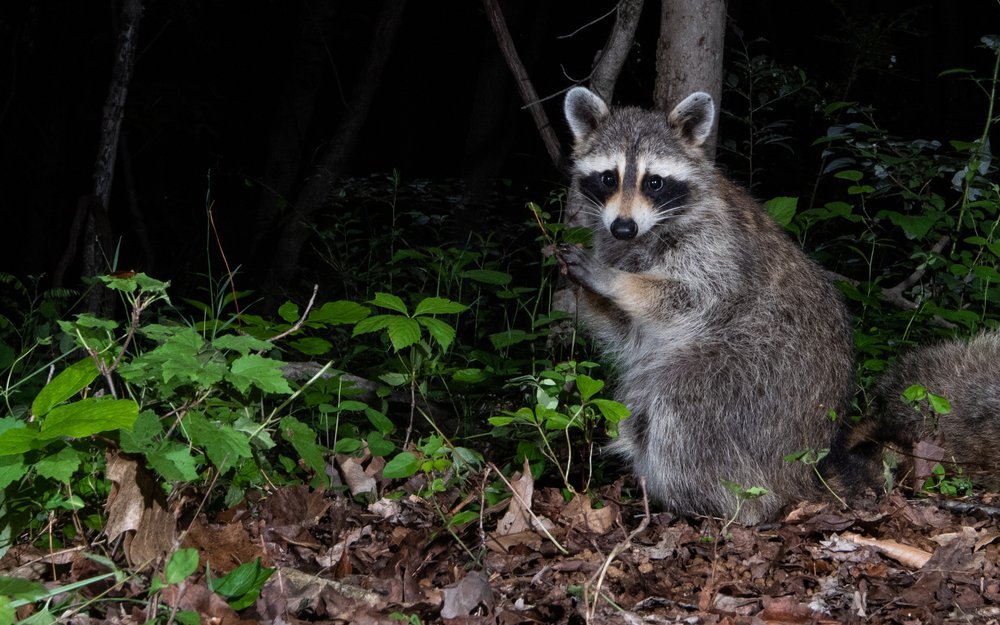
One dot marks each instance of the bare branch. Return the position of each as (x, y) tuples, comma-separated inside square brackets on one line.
[(615, 52), (524, 86)]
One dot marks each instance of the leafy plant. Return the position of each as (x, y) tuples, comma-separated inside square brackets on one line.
[(563, 406)]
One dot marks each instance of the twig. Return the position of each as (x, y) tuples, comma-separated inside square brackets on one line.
[(302, 319), (895, 294), (963, 507), (534, 517), (598, 578), (524, 86)]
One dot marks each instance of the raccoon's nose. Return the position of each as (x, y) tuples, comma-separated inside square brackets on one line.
[(624, 229)]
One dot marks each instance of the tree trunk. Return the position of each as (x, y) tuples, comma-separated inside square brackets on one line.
[(307, 67), (318, 187), (615, 52), (689, 54), (97, 231)]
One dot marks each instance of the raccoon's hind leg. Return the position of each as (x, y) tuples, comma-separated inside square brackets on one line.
[(640, 295)]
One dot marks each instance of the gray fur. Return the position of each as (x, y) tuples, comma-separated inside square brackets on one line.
[(731, 346), (967, 373)]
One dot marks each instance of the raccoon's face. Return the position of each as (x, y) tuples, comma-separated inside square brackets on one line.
[(636, 168)]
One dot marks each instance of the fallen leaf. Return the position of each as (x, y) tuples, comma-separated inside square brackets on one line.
[(517, 519), (580, 514), (137, 508), (472, 596)]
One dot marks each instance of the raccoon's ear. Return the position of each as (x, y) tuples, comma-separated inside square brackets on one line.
[(584, 110), (693, 118)]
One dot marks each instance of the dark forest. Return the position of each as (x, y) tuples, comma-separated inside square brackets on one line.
[(212, 82)]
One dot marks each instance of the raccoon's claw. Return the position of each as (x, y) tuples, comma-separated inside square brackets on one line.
[(578, 265)]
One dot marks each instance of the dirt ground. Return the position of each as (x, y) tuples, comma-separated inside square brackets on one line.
[(542, 559)]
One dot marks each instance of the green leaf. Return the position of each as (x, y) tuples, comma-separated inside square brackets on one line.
[(312, 346), (915, 393), (12, 468), (404, 464), (144, 434), (438, 305), (59, 466), (181, 564), (508, 338), (394, 379), (264, 373), (174, 462), (939, 404), (347, 445), (373, 324), (613, 411), (588, 386), (390, 301), (20, 439), (289, 311), (443, 333), (556, 421), (782, 209), (466, 516), (223, 445), (242, 343), (915, 226), (849, 174), (379, 420), (68, 383), (471, 375), (500, 421), (378, 445), (19, 588), (339, 312), (487, 276), (242, 585), (403, 332), (303, 439), (89, 416)]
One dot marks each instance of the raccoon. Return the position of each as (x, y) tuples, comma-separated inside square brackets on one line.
[(967, 374), (731, 347)]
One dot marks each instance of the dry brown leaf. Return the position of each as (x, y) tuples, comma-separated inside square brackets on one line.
[(224, 546), (358, 481), (926, 455), (211, 607), (137, 508), (580, 514), (517, 518), (470, 596)]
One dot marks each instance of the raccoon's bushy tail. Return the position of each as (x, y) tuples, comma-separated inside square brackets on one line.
[(967, 374)]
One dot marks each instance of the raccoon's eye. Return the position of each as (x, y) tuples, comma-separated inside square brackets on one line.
[(609, 179), (654, 183)]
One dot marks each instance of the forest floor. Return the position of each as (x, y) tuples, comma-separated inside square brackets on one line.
[(339, 561)]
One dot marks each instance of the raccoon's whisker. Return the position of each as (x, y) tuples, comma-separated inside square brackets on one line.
[(663, 211)]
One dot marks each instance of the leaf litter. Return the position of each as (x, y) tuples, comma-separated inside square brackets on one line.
[(539, 559)]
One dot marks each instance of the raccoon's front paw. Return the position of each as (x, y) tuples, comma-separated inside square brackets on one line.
[(581, 267)]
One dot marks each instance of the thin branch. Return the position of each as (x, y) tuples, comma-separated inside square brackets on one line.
[(895, 294), (302, 319), (524, 86), (527, 508), (597, 580), (615, 52)]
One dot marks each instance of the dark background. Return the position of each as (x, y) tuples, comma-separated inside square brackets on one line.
[(210, 75)]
